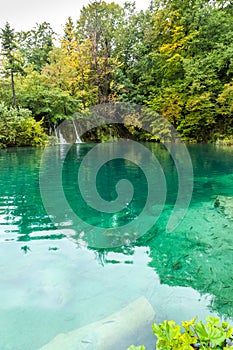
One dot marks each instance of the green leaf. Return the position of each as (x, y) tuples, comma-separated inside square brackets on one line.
[(210, 334), (214, 321)]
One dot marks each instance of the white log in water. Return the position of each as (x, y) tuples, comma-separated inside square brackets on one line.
[(117, 331)]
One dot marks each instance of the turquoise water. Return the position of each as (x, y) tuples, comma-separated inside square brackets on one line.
[(56, 277)]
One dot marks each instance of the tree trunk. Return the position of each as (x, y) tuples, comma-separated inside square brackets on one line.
[(13, 89)]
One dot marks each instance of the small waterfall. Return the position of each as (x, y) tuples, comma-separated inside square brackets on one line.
[(61, 138), (55, 132), (110, 134), (78, 140)]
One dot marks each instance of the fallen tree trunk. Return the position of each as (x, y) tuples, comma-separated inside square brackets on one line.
[(118, 330)]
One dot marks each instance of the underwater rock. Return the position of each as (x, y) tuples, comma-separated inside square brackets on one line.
[(120, 328)]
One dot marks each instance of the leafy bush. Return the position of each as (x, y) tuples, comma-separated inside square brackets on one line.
[(193, 336), (226, 141), (19, 128)]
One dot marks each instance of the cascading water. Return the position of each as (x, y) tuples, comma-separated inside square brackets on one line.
[(62, 140), (78, 140), (67, 133), (55, 132)]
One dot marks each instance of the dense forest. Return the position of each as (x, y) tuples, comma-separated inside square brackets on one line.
[(175, 58)]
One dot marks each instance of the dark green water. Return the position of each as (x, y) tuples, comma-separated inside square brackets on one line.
[(55, 279)]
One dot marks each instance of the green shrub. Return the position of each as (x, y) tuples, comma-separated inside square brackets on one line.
[(193, 335), (226, 141), (19, 128)]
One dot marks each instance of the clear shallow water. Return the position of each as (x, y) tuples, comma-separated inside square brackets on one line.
[(52, 282)]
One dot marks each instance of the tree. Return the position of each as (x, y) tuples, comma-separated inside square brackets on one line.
[(175, 57), (36, 44), (45, 99), (69, 40), (13, 64), (191, 48), (133, 49), (99, 24), (225, 110), (79, 60)]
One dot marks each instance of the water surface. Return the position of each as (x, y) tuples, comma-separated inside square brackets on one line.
[(52, 280)]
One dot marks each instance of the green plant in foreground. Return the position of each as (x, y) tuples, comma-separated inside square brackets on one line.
[(19, 128), (193, 335)]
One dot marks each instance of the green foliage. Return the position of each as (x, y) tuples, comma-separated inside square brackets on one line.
[(175, 57), (225, 141), (193, 335), (19, 128), (36, 44), (99, 24), (192, 44), (10, 50), (38, 93), (8, 40), (13, 61)]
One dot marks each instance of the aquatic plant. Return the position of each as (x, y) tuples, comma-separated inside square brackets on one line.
[(193, 335)]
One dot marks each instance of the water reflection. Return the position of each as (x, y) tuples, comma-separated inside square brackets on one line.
[(51, 276)]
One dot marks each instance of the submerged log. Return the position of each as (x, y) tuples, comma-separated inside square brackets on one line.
[(118, 330)]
